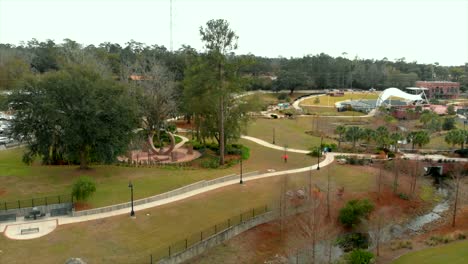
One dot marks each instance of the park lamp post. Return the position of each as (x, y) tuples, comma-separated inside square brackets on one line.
[(241, 181), (319, 153), (130, 185)]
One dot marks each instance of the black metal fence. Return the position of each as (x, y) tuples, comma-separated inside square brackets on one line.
[(48, 200), (195, 238)]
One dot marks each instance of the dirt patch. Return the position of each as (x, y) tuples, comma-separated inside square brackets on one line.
[(80, 206), (2, 191)]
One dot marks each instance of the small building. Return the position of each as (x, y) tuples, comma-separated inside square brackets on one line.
[(440, 89)]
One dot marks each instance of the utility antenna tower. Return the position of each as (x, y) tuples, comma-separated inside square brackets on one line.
[(170, 26)]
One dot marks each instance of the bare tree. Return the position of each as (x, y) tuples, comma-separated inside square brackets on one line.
[(459, 171)]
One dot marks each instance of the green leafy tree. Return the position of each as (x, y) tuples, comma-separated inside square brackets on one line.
[(368, 134), (350, 215), (353, 134), (457, 136), (451, 110), (359, 256), (419, 138), (219, 40), (340, 130), (394, 138), (382, 136), (83, 188), (449, 123), (73, 115)]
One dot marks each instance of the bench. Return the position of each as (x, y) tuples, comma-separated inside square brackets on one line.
[(32, 216), (30, 230), (8, 217)]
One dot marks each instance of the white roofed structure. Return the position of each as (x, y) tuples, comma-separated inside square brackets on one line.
[(395, 92)]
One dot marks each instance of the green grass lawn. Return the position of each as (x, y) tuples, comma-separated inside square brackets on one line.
[(454, 253), (329, 111), (20, 181), (124, 240), (327, 100), (290, 132)]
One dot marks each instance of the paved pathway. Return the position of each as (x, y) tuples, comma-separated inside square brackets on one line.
[(11, 229), (297, 107)]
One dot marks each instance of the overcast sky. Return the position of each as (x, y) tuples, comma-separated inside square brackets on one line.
[(425, 31)]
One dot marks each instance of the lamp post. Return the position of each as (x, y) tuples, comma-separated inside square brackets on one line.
[(130, 185), (241, 181), (273, 136), (319, 153)]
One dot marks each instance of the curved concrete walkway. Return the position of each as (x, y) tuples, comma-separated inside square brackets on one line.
[(11, 229), (296, 105)]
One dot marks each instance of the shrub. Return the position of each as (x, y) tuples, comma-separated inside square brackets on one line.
[(315, 152), (391, 155), (83, 188), (317, 100), (353, 211), (210, 163), (403, 196), (351, 241), (359, 256), (449, 123), (196, 144), (395, 245), (282, 96)]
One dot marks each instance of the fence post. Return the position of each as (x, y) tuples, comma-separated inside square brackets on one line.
[(19, 204), (151, 258), (59, 198), (241, 218), (46, 201), (32, 202), (169, 251), (185, 243), (229, 222), (201, 235), (253, 212)]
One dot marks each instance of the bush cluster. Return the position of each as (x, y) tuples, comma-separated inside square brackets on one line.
[(359, 256), (351, 241), (399, 244), (351, 214)]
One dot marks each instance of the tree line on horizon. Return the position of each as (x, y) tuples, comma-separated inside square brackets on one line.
[(320, 71)]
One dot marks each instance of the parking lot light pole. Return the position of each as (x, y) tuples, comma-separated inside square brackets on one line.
[(130, 185)]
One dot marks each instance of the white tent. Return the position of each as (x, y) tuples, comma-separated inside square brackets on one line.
[(389, 92)]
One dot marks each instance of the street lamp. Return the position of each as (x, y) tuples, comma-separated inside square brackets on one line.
[(241, 181), (130, 185), (319, 153), (273, 136)]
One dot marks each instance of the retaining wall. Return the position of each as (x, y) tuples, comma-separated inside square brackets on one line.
[(219, 238), (169, 194)]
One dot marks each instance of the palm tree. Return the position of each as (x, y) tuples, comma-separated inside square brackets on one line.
[(368, 134), (381, 136), (353, 134), (340, 130), (394, 138)]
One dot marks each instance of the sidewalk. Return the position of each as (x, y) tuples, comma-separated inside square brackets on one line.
[(11, 229)]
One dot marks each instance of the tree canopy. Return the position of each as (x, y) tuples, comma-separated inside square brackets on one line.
[(74, 116)]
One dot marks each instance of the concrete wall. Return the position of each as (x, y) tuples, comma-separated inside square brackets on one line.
[(43, 208), (219, 238), (181, 190)]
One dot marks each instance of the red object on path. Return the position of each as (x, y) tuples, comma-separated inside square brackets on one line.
[(285, 157)]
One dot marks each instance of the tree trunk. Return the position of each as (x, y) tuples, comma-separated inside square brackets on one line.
[(221, 116), (83, 159), (456, 200)]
